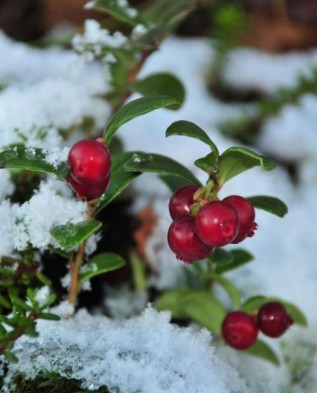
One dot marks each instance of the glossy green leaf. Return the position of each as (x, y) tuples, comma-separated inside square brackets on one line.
[(120, 179), (133, 109), (70, 235), (270, 204), (206, 310), (32, 159), (162, 84), (263, 351), (209, 163), (118, 11), (255, 302), (221, 256), (187, 128), (240, 258), (150, 162), (236, 160), (100, 264)]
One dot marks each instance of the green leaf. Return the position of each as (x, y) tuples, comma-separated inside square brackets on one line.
[(119, 12), (221, 256), (4, 302), (101, 263), (240, 258), (151, 162), (236, 160), (32, 159), (187, 128), (206, 310), (255, 302), (263, 351), (70, 235), (172, 301), (138, 270), (43, 279), (49, 316), (120, 179), (134, 109), (151, 39), (270, 204), (196, 305), (168, 13), (11, 358), (162, 84), (209, 163), (228, 286)]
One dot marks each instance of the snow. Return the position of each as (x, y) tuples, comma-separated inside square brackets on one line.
[(96, 39), (29, 223), (154, 356), (249, 68)]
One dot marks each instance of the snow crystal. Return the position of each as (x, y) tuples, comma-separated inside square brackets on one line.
[(31, 222), (95, 39), (42, 295), (144, 354), (127, 9), (139, 30), (56, 156)]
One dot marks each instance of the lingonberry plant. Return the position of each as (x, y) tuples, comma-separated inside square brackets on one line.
[(201, 225)]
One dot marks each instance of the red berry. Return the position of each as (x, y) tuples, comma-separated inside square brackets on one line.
[(246, 214), (184, 242), (239, 330), (88, 191), (217, 224), (89, 162), (181, 201), (273, 319)]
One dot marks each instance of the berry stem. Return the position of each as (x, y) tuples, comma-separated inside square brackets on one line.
[(76, 263)]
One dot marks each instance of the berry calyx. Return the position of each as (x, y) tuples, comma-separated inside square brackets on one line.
[(239, 330), (217, 224), (183, 241), (181, 201), (88, 191), (273, 319), (246, 214), (89, 162)]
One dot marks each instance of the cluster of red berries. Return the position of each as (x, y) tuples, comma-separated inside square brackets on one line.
[(217, 223), (89, 168), (240, 330)]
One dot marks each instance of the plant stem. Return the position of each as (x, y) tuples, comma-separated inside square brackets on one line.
[(132, 75), (76, 263)]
